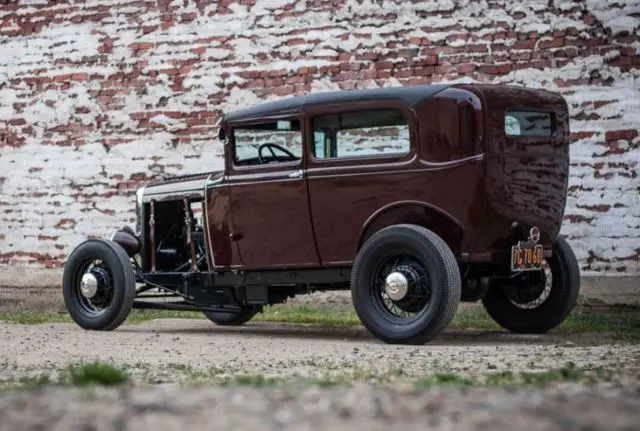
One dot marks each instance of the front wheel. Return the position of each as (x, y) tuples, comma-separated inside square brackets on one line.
[(99, 285), (405, 285), (541, 300)]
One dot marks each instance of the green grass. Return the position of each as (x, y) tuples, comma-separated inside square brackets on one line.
[(77, 375), (95, 374), (620, 324), (98, 374), (326, 315), (567, 373)]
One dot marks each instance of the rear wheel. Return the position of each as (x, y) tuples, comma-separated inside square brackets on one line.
[(541, 300), (99, 285), (405, 285)]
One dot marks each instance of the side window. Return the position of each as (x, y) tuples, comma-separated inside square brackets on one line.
[(528, 123), (270, 142), (362, 133)]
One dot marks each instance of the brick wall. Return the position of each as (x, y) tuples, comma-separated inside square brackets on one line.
[(98, 97)]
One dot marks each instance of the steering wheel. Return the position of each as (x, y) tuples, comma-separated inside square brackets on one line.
[(271, 146)]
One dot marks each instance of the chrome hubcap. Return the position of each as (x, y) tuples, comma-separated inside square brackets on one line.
[(396, 286), (88, 285)]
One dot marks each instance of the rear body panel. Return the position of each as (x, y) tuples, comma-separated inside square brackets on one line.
[(526, 170)]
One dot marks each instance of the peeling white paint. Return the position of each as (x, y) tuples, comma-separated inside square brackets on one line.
[(87, 146), (617, 16)]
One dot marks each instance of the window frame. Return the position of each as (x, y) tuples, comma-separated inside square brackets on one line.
[(378, 105), (549, 112), (231, 144)]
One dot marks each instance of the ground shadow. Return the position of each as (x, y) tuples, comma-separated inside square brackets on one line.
[(357, 333)]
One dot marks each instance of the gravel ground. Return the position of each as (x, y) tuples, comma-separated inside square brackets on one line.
[(168, 353), (166, 346), (565, 408)]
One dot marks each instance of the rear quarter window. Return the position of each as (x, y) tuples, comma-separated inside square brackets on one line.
[(519, 123)]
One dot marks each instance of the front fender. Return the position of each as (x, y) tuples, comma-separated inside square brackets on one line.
[(128, 240)]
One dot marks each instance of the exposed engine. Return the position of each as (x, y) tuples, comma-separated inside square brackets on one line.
[(180, 238)]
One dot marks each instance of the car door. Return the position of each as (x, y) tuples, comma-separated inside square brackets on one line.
[(269, 198), (361, 158)]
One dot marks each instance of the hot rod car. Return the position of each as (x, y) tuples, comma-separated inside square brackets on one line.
[(413, 198)]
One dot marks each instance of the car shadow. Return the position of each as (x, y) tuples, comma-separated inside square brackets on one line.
[(357, 333)]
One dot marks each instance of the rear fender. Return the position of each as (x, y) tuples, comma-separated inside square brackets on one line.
[(418, 213)]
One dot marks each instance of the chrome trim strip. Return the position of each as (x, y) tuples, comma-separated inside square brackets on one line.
[(312, 175), (234, 183), (191, 189), (205, 219), (139, 201)]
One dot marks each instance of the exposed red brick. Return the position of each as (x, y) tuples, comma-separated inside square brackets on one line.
[(367, 74), (187, 17), (490, 69), (347, 85), (383, 65), (621, 134), (622, 61), (466, 68), (149, 28), (404, 73), (554, 43)]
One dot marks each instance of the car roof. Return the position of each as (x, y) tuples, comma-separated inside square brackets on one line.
[(412, 96)]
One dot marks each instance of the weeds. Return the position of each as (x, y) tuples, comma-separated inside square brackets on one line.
[(568, 373), (96, 373), (75, 375)]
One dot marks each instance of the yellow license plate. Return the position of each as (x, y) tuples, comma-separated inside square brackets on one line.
[(526, 257)]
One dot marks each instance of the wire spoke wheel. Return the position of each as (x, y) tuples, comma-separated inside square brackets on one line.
[(405, 284), (99, 285), (93, 286), (402, 287), (534, 290), (537, 302)]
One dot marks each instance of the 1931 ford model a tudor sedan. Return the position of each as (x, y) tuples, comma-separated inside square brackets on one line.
[(414, 198)]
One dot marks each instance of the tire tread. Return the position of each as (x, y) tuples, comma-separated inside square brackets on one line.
[(449, 276), (549, 316), (128, 285)]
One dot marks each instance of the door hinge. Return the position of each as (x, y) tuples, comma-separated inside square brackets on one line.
[(236, 236)]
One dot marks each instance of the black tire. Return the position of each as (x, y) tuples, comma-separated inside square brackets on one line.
[(562, 296), (116, 289), (429, 262), (232, 319)]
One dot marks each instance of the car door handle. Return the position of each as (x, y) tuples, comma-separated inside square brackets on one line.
[(296, 174)]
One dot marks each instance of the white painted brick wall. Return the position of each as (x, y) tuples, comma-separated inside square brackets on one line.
[(96, 98)]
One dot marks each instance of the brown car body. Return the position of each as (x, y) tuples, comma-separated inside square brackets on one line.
[(272, 230), (260, 218)]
